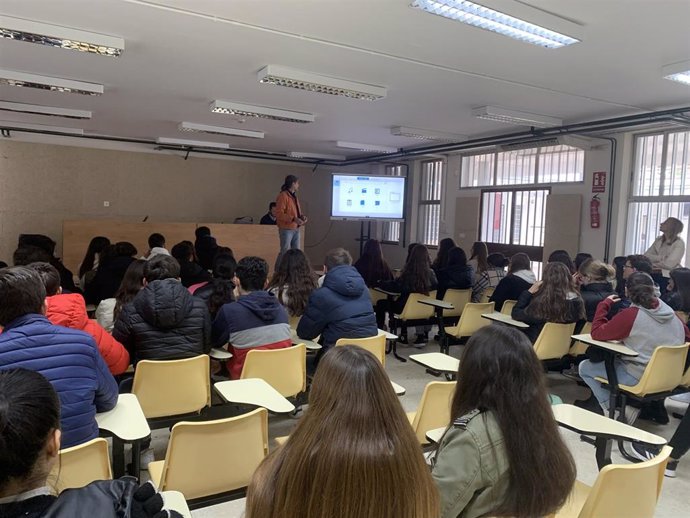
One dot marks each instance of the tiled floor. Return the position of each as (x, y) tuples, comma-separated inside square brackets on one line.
[(674, 499)]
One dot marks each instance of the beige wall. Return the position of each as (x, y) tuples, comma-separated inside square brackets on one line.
[(41, 185)]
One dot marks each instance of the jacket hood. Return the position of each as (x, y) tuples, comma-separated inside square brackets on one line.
[(662, 313), (526, 275), (68, 310), (264, 305), (164, 304), (345, 280)]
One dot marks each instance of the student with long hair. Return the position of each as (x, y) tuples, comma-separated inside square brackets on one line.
[(596, 285), (441, 261), (416, 277), (519, 278), (221, 288), (191, 272), (89, 265), (479, 254), (491, 277), (372, 266), (114, 261), (562, 256), (456, 274), (502, 454), (643, 326), (30, 440), (109, 309), (293, 282), (678, 290), (553, 299), (352, 455)]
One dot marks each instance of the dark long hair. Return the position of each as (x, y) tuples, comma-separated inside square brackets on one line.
[(371, 265), (681, 285), (640, 288), (131, 284), (551, 302), (480, 252), (562, 256), (456, 257), (444, 247), (29, 413), (96, 246), (295, 278), (369, 466), (499, 372), (224, 266), (416, 276)]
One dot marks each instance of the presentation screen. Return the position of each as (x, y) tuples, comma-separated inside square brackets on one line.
[(368, 197)]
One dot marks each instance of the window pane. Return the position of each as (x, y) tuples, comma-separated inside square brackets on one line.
[(561, 164), (430, 217), (390, 230), (431, 180), (516, 167), (530, 215), (644, 219), (477, 170), (496, 207), (648, 153), (677, 170)]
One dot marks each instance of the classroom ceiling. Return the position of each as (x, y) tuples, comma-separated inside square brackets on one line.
[(180, 55)]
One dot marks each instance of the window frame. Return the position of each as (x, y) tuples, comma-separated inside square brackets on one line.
[(421, 202), (386, 226)]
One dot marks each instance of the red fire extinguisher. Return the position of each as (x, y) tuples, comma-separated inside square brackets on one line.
[(594, 211)]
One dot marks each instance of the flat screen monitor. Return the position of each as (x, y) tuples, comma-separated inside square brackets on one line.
[(357, 197)]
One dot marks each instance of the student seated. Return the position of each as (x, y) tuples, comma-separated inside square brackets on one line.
[(163, 322), (441, 261), (456, 275), (113, 264), (563, 257), (293, 282), (156, 246), (553, 299), (69, 310), (372, 266), (255, 321), (479, 254), (92, 258), (221, 288), (205, 247), (677, 294), (270, 217), (48, 245), (595, 278), (491, 277), (190, 272), (30, 440), (108, 310), (341, 308), (352, 455), (68, 358), (502, 453), (519, 278), (643, 326), (680, 442)]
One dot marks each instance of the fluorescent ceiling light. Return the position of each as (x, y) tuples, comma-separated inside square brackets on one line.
[(61, 37), (422, 134), (283, 76), (218, 130), (191, 143), (37, 109), (505, 24), (40, 127), (679, 72), (498, 114), (318, 156), (56, 84), (262, 112), (366, 147)]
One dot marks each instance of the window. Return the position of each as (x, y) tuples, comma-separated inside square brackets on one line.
[(390, 230), (430, 202), (660, 187), (513, 221), (532, 166)]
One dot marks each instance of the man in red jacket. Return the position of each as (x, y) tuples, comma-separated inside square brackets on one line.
[(69, 310)]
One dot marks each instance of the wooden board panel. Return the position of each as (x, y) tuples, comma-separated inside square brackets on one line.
[(259, 240), (562, 231)]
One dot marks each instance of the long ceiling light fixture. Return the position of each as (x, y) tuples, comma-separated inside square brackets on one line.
[(41, 128), (317, 156), (191, 143), (61, 37), (366, 147), (515, 117), (218, 130), (262, 112), (309, 81), (422, 134), (493, 20), (36, 109), (679, 72), (56, 84)]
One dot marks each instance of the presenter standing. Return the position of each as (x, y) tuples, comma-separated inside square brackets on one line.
[(289, 217)]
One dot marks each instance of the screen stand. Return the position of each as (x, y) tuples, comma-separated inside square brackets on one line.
[(363, 238)]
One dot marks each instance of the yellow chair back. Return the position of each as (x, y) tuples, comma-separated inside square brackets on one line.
[(486, 294), (579, 348), (413, 310), (507, 308), (80, 465), (459, 298), (471, 319), (663, 373), (434, 408), (376, 296), (284, 369), (376, 345), (173, 387), (554, 341)]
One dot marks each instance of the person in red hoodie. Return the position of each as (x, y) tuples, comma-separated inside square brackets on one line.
[(69, 310)]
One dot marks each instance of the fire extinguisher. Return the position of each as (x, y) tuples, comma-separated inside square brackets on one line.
[(594, 211)]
